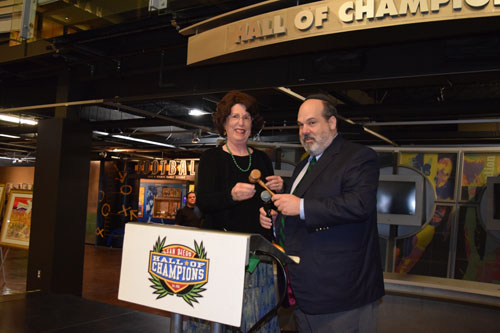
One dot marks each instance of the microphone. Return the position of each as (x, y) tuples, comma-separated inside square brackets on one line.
[(268, 204)]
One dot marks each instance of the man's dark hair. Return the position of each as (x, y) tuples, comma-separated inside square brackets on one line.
[(328, 103)]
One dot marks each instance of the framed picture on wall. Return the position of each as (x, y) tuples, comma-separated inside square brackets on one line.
[(3, 190), (17, 219)]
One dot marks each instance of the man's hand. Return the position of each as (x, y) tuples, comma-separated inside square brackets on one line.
[(265, 221), (274, 183), (287, 204), (242, 191)]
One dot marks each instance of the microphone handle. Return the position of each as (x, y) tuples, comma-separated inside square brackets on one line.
[(268, 212), (268, 207)]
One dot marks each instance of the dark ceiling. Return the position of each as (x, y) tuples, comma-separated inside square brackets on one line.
[(420, 85)]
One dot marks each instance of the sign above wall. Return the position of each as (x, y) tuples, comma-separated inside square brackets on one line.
[(327, 18), (181, 169)]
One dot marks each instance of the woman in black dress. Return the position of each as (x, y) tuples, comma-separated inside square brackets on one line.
[(230, 202)]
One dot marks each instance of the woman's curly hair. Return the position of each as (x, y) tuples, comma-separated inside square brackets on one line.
[(224, 110)]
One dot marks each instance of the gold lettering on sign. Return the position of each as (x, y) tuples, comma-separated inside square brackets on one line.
[(267, 27), (147, 165), (478, 3), (304, 20), (259, 29), (345, 10), (172, 168), (155, 167), (368, 9), (253, 30), (163, 164), (191, 168), (321, 15), (435, 4), (279, 25), (182, 168), (386, 7), (413, 5)]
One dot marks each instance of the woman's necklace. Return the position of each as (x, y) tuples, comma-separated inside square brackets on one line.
[(234, 160)]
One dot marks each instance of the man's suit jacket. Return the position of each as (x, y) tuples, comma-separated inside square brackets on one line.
[(340, 267)]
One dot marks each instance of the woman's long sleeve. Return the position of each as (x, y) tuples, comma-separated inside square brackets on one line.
[(212, 194)]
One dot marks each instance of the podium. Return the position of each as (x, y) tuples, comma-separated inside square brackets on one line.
[(188, 271)]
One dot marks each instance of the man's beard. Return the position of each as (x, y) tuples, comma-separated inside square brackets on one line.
[(310, 147), (318, 145)]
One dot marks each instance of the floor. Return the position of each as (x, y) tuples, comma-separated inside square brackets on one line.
[(100, 311), (100, 286), (100, 279), (16, 264)]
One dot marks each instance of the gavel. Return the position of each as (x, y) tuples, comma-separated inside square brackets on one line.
[(254, 177)]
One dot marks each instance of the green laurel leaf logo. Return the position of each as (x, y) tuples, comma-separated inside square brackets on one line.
[(190, 294)]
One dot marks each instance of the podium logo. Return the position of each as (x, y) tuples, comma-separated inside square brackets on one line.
[(178, 269)]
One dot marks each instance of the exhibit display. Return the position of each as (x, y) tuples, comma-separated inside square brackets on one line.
[(400, 200), (17, 219), (2, 197), (160, 199)]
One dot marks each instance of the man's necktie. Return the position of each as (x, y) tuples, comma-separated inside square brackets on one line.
[(289, 292), (281, 238), (311, 164)]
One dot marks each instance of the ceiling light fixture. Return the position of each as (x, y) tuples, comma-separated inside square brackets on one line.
[(197, 112), (291, 93), (100, 133), (18, 159), (10, 136), (143, 141), (18, 120)]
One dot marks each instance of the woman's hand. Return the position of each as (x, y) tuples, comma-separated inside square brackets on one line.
[(242, 191), (275, 183), (265, 221)]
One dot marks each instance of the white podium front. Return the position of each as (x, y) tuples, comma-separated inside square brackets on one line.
[(193, 272)]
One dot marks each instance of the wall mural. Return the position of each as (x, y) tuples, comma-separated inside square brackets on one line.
[(439, 168), (118, 192), (476, 168), (125, 196), (426, 251), (478, 249)]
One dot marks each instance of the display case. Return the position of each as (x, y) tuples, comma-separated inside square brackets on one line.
[(159, 200)]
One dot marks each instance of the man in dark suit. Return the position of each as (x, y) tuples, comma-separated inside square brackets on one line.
[(330, 222)]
